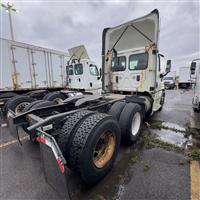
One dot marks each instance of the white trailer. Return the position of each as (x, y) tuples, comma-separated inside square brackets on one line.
[(27, 67), (184, 77), (195, 76)]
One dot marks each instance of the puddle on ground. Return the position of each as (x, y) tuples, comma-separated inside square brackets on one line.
[(171, 137), (173, 126)]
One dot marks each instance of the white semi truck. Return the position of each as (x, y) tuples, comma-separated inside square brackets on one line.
[(195, 77), (84, 132), (82, 73), (184, 78)]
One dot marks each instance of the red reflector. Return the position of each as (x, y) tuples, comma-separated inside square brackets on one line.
[(61, 166), (41, 139)]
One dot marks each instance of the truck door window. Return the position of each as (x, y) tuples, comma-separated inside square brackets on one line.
[(94, 70), (78, 68), (70, 70), (119, 63), (138, 61)]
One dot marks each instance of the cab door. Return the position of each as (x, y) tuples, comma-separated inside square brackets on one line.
[(78, 76), (94, 78), (70, 76)]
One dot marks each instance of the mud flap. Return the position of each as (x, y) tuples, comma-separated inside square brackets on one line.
[(52, 173)]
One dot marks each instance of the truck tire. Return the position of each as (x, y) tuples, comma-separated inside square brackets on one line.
[(55, 96), (8, 95), (66, 133), (27, 108), (130, 122), (46, 96), (18, 103), (94, 147), (116, 109)]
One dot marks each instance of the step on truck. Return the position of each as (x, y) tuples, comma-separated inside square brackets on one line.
[(81, 77), (84, 133), (195, 77)]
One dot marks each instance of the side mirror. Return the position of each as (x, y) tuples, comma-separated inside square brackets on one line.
[(168, 66), (192, 68), (100, 74), (114, 53)]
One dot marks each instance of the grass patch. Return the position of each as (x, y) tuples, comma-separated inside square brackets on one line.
[(146, 168), (150, 141), (191, 131), (157, 124), (193, 153)]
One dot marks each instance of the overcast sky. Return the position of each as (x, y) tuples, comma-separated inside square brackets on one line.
[(63, 24)]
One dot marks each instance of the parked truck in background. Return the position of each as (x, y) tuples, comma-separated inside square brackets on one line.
[(30, 73), (184, 78), (195, 77), (169, 80), (82, 73), (84, 132)]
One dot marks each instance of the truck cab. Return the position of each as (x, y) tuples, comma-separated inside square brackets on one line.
[(131, 60), (82, 74)]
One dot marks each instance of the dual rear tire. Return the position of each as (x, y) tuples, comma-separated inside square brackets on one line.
[(90, 141), (90, 144)]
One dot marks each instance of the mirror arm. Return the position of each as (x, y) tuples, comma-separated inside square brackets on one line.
[(163, 75)]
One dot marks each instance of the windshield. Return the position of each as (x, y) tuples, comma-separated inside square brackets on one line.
[(69, 70), (138, 61), (78, 68), (94, 70), (168, 78), (119, 63)]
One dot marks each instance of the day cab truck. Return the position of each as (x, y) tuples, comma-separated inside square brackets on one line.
[(82, 73), (195, 77), (81, 76), (84, 132)]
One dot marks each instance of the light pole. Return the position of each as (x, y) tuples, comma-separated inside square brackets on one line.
[(9, 8)]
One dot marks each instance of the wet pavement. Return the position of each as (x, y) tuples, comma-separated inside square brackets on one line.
[(139, 173)]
